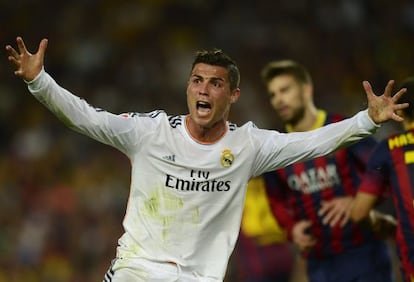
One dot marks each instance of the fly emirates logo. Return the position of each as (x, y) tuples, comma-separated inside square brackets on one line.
[(199, 181), (314, 179)]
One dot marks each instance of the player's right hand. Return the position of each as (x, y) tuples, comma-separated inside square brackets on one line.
[(27, 65)]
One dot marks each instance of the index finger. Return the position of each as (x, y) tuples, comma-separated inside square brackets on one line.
[(325, 207), (388, 88)]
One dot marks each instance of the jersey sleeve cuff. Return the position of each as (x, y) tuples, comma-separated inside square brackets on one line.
[(366, 121), (37, 83)]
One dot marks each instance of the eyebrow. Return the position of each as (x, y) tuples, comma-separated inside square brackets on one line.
[(210, 78)]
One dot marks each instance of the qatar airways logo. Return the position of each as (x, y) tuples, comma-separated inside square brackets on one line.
[(314, 179), (199, 181)]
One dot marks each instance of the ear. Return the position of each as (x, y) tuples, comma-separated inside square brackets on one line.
[(308, 91), (235, 95)]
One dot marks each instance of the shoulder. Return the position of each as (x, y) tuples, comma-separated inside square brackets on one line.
[(156, 117), (151, 115), (249, 128), (249, 132), (246, 126), (380, 153)]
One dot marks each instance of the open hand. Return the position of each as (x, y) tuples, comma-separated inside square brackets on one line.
[(27, 65), (383, 108)]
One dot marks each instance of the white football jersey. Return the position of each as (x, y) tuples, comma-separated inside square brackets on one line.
[(186, 198)]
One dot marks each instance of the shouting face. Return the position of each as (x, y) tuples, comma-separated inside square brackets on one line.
[(209, 97)]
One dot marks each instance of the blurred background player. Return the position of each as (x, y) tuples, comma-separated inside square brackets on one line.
[(156, 244), (333, 253), (392, 166), (262, 252)]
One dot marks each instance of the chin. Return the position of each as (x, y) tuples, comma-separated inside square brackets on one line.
[(201, 121)]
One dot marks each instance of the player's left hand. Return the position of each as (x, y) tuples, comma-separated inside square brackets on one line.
[(384, 107), (337, 210)]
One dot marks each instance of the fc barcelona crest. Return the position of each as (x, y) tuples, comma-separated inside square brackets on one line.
[(227, 158)]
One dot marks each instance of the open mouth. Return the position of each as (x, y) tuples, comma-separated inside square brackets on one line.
[(203, 105), (203, 108)]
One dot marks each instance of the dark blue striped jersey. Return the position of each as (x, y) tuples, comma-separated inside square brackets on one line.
[(392, 166), (296, 192)]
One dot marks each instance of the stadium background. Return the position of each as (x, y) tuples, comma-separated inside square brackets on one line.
[(62, 195)]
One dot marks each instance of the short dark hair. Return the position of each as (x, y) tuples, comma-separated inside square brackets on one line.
[(408, 97), (217, 57), (282, 67)]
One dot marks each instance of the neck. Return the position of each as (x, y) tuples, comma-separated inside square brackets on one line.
[(205, 135), (307, 122)]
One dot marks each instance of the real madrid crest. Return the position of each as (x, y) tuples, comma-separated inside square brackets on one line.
[(227, 158)]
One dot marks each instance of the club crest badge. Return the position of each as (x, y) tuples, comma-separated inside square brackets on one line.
[(227, 158)]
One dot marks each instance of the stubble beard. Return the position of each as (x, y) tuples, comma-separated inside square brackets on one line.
[(297, 116)]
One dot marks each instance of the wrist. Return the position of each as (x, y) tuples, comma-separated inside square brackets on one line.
[(33, 80)]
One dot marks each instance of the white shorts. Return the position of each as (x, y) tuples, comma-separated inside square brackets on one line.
[(138, 269)]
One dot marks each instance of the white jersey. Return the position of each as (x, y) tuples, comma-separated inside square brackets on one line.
[(186, 198)]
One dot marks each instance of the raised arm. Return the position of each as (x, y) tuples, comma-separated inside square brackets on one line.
[(119, 131), (27, 65)]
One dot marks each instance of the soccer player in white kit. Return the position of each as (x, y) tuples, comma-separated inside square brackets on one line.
[(189, 172)]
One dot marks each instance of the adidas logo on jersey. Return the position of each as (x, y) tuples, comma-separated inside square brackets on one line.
[(170, 158)]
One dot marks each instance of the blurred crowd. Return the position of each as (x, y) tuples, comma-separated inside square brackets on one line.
[(62, 195)]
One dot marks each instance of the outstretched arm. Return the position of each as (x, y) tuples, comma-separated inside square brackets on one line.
[(27, 65), (118, 131), (383, 108)]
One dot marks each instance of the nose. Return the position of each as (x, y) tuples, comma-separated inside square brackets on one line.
[(203, 89)]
